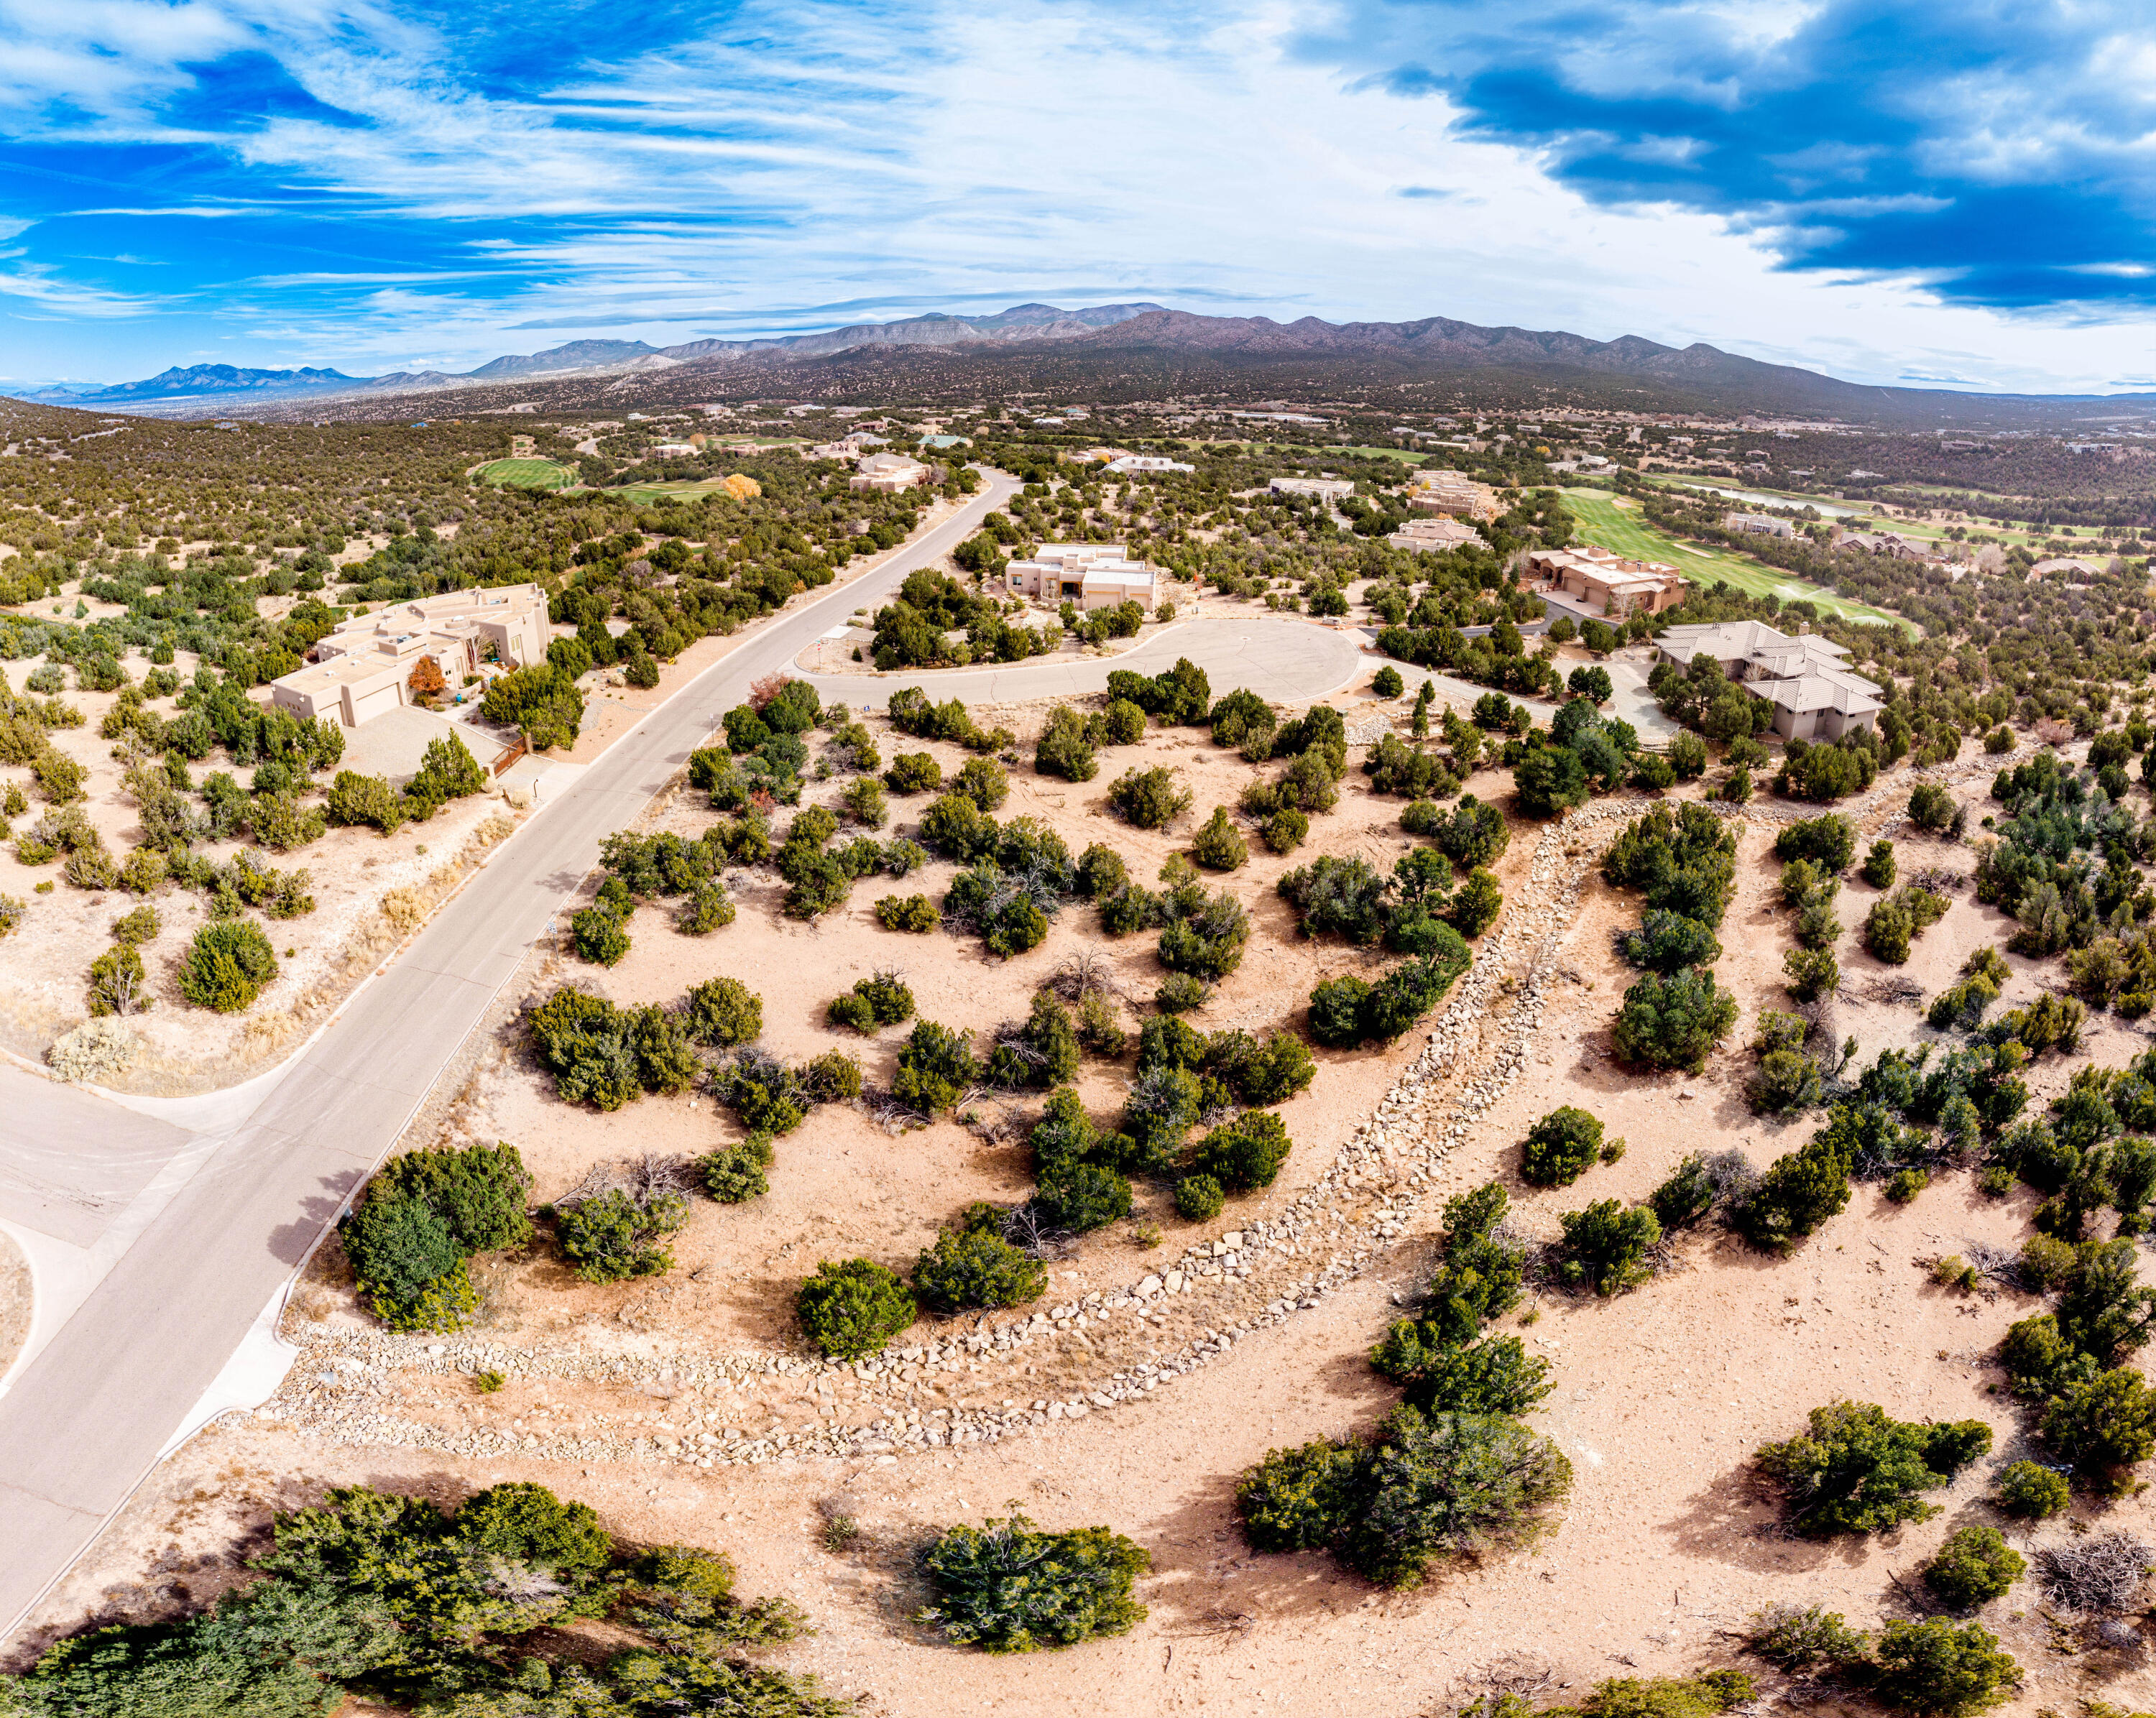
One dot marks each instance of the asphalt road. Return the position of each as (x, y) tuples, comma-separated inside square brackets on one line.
[(88, 1416)]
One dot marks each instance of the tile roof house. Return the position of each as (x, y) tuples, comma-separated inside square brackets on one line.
[(1815, 696), (1452, 492)]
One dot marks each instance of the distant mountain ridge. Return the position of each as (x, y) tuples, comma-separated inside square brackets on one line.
[(1037, 343), (204, 383)]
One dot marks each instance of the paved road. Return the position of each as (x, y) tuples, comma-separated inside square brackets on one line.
[(1289, 662), (87, 1417)]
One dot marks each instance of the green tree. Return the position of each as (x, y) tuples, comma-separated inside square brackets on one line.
[(854, 1308), (1858, 1471), (1007, 1587)]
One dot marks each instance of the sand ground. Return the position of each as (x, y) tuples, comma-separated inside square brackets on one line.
[(1666, 1545)]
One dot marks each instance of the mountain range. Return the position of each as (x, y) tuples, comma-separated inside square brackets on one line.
[(1138, 344)]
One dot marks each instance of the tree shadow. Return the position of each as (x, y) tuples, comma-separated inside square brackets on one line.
[(1737, 1519)]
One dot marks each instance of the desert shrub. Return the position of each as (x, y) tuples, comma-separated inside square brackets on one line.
[(984, 782), (1828, 841), (2103, 1424), (118, 984), (1149, 798), (1082, 1197), (1660, 1697), (914, 772), (934, 1066), (1687, 757), (1606, 1247), (705, 909), (1387, 683), (2031, 1491), (1673, 1022), (1179, 992), (226, 966), (615, 1236), (1217, 845), (1938, 1670), (1801, 1190), (1431, 1487), (1066, 747), (1560, 1147), (1064, 1134), (1279, 1068), (137, 926), (1336, 1012), (852, 1309), (1243, 720), (1931, 807), (408, 1260), (1207, 941), (1475, 904), (1858, 1471), (1879, 864), (1800, 1638), (973, 1266), (1199, 1198), (1810, 973), (1043, 1052), (1244, 1154), (910, 912), (864, 801), (607, 1056), (1101, 872), (721, 1013), (1974, 1565), (1285, 829), (598, 933), (1668, 943), (1007, 1587), (356, 799), (1339, 897), (734, 1175), (1496, 1376)]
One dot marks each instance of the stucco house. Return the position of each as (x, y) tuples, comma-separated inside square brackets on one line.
[(1815, 696), (364, 665), (1604, 581), (1089, 575)]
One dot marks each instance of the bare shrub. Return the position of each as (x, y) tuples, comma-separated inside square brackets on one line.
[(2100, 1573), (1086, 973)]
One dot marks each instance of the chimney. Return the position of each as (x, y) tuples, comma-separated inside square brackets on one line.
[(1802, 628)]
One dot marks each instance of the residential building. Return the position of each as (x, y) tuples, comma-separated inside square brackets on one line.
[(675, 450), (1453, 493), (364, 666), (1814, 696), (2071, 567), (1328, 489), (1090, 575), (1603, 581), (888, 473), (1891, 544), (1759, 525), (1149, 462), (1433, 533)]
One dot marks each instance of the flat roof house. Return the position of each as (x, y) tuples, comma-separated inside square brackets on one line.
[(1452, 492), (888, 473), (1815, 696), (1433, 533), (1323, 489), (1149, 462), (364, 666), (1089, 575)]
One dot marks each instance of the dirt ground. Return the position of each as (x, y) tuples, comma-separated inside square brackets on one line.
[(1664, 1549), (371, 892)]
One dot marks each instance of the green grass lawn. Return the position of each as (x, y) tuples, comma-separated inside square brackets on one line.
[(1602, 520), (528, 474)]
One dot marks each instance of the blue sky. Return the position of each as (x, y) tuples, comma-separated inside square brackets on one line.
[(1960, 193)]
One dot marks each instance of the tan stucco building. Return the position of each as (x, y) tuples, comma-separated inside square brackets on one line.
[(1090, 575), (364, 667)]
